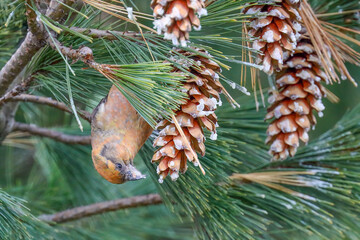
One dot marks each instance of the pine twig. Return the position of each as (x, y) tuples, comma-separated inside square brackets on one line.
[(102, 207), (45, 132), (85, 54), (58, 11), (108, 35), (18, 89), (50, 102), (33, 25)]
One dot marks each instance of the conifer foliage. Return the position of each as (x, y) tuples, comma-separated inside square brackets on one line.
[(131, 85)]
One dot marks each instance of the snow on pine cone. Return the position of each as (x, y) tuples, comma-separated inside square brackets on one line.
[(275, 29), (196, 113), (175, 18), (299, 93)]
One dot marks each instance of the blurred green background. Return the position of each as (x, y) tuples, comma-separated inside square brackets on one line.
[(51, 192)]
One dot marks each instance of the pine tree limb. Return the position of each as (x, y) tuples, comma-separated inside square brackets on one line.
[(45, 132), (102, 207), (50, 102), (9, 74), (57, 11), (85, 54), (30, 46), (108, 35), (18, 61), (18, 89), (33, 25)]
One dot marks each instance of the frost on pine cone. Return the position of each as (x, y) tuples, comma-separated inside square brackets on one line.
[(196, 113), (275, 29), (299, 93), (175, 18)]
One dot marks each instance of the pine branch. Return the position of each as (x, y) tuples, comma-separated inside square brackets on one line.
[(85, 54), (50, 102), (32, 43), (18, 61), (33, 25), (45, 132), (102, 207), (58, 9), (30, 46), (106, 34), (18, 89)]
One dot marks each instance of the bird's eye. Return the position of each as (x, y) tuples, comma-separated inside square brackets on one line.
[(118, 165)]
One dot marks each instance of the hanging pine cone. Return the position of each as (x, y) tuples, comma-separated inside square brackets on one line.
[(275, 29), (175, 18), (299, 93), (196, 113)]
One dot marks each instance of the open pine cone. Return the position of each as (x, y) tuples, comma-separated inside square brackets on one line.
[(175, 18), (276, 30), (299, 94), (196, 113)]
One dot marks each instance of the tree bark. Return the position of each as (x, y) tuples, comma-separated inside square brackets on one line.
[(48, 101), (18, 61), (32, 43), (102, 207), (45, 132)]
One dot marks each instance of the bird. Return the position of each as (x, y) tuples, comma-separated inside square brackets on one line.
[(117, 133)]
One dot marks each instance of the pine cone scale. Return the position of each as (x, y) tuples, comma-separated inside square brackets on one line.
[(175, 18), (277, 32), (300, 93)]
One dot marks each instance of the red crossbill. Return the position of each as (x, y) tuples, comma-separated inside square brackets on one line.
[(117, 134)]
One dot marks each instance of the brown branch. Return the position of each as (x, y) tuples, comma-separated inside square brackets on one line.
[(11, 71), (45, 132), (30, 46), (57, 11), (102, 207), (84, 53), (109, 35), (33, 25), (50, 102), (18, 89), (18, 61)]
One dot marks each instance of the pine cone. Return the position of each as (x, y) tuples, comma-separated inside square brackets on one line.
[(299, 93), (175, 18), (196, 113), (275, 28)]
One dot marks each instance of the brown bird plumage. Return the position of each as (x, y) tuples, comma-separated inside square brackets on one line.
[(117, 134)]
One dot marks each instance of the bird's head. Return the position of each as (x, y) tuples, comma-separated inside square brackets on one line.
[(114, 162)]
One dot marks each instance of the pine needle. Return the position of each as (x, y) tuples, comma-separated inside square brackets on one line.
[(72, 100), (324, 45), (115, 10), (253, 71), (274, 179), (187, 143)]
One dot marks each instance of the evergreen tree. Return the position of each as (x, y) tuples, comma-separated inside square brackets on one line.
[(154, 88)]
